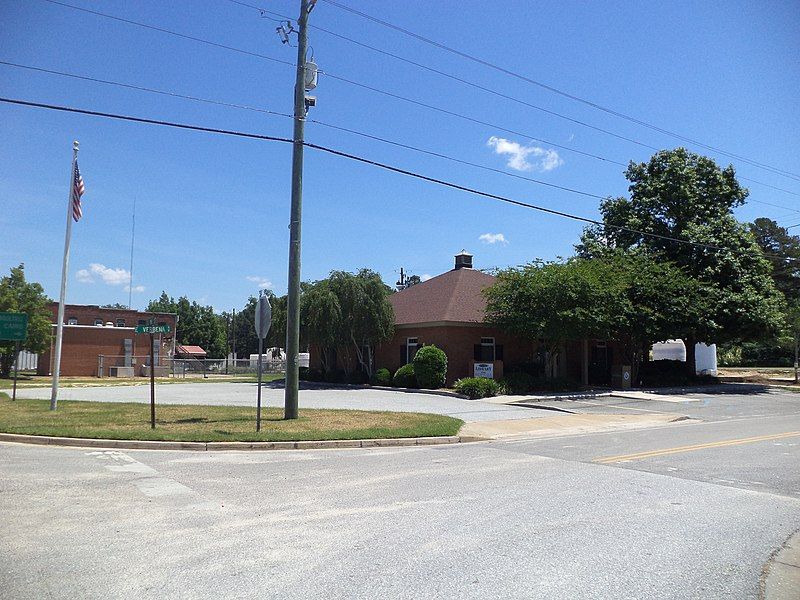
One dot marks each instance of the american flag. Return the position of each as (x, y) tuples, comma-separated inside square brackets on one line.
[(77, 192)]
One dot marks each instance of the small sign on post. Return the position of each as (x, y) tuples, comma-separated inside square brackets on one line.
[(14, 328), (151, 328), (263, 321)]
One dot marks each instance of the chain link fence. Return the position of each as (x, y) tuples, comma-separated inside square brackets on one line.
[(139, 366)]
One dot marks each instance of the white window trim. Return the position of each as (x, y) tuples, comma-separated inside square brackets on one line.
[(409, 344)]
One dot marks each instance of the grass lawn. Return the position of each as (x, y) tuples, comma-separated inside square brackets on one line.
[(129, 421), (29, 381)]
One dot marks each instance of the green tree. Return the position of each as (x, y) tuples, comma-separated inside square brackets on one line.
[(623, 296), (782, 250), (557, 302), (197, 325), (681, 195), (18, 295), (242, 326), (347, 312)]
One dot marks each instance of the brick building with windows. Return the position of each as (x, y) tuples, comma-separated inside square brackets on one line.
[(102, 341), (448, 311)]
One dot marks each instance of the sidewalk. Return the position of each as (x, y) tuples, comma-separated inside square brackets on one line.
[(659, 394), (565, 425), (782, 572)]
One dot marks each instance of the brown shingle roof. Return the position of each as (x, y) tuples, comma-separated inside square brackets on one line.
[(453, 296)]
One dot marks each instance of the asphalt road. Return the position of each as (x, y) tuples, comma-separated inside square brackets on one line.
[(690, 510), (244, 394)]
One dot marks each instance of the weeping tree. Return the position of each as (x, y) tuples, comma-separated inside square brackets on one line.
[(349, 313)]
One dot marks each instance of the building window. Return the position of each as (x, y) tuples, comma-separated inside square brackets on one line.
[(72, 321), (98, 322), (412, 345), (120, 323), (485, 351), (141, 322)]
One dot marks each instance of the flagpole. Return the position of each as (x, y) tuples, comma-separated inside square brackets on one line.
[(64, 269)]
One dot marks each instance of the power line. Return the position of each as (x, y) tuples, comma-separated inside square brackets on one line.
[(555, 90), (379, 91), (490, 91), (322, 123), (144, 89), (385, 166), (463, 81), (173, 33)]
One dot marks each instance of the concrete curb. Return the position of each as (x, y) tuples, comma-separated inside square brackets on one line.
[(722, 387), (780, 578), (385, 388), (211, 446)]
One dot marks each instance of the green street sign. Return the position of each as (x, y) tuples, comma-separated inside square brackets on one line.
[(13, 326), (152, 329)]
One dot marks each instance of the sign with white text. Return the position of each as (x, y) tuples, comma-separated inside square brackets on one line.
[(484, 370)]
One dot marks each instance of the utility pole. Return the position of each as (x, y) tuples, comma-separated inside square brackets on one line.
[(401, 284), (293, 307)]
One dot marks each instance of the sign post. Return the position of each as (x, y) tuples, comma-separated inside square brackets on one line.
[(263, 321), (14, 327), (152, 329)]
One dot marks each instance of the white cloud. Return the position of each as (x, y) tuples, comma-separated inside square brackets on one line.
[(519, 156), (137, 289), (107, 275), (263, 282), (493, 238), (425, 277)]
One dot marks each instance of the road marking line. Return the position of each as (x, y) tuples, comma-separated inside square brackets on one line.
[(642, 455)]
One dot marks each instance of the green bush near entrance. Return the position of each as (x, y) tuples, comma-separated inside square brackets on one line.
[(477, 387), (430, 367), (382, 377), (405, 377)]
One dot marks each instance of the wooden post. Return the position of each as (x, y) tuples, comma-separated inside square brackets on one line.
[(152, 383)]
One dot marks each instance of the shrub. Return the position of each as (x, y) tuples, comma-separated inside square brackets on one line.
[(307, 374), (334, 376), (430, 367), (519, 383), (405, 377), (477, 387), (382, 377), (358, 377), (669, 373)]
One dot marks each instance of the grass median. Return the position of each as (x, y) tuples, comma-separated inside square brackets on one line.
[(190, 423)]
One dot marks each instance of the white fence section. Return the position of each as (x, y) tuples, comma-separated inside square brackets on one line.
[(27, 361)]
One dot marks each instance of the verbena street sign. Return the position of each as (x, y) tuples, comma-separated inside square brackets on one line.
[(152, 329), (13, 326)]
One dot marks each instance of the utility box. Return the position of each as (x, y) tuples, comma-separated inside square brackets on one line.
[(159, 371), (621, 377), (120, 372)]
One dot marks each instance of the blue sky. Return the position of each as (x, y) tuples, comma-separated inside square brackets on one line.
[(212, 211)]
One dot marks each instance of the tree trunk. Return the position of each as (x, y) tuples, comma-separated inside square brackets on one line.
[(691, 363), (6, 360)]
